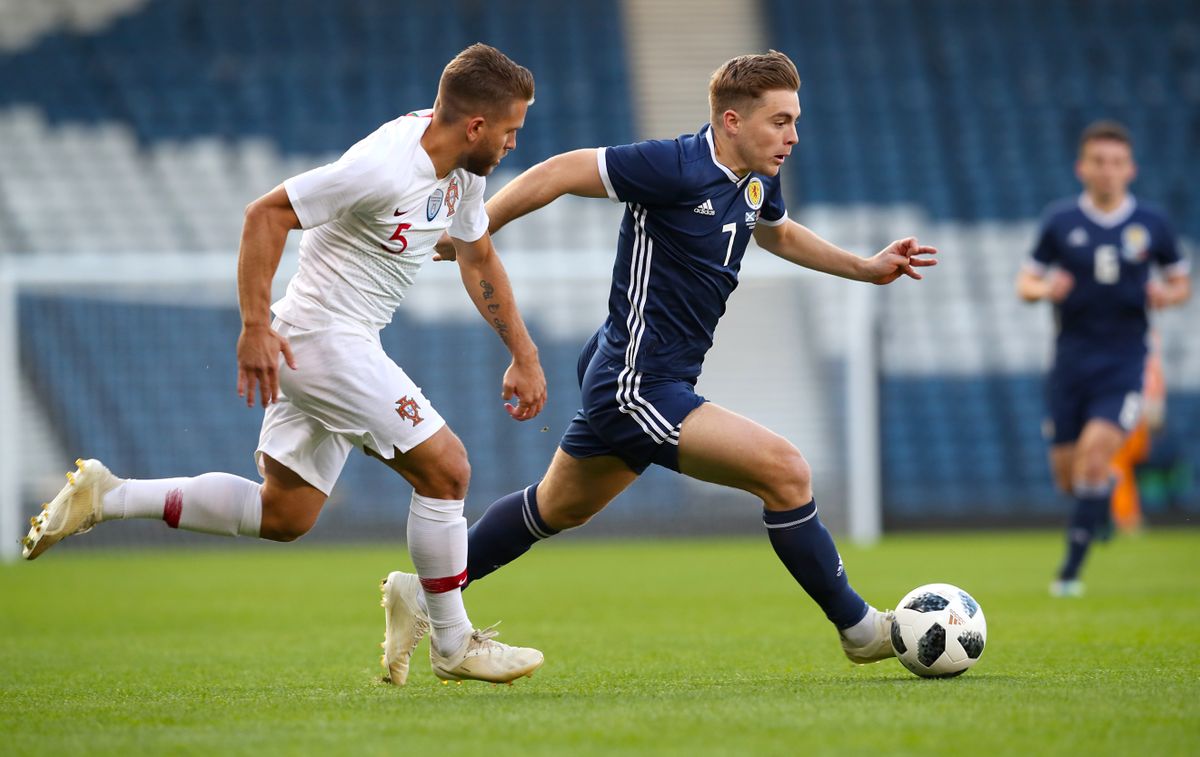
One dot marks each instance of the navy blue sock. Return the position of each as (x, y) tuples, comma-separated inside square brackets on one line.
[(807, 550), (507, 529), (1091, 512)]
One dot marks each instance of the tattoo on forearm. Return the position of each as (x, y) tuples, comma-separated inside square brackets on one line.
[(493, 308), (489, 291), (501, 329)]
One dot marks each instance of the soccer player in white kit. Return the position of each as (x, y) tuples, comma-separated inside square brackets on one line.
[(371, 219)]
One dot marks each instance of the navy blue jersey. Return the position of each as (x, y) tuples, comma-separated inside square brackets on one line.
[(1109, 256), (687, 222)]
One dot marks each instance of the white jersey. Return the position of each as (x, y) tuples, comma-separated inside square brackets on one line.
[(371, 219)]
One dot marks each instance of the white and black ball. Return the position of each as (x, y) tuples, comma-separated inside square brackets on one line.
[(939, 631)]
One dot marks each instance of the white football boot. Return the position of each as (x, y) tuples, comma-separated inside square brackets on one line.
[(481, 658), (405, 624), (878, 648), (1071, 588), (75, 510)]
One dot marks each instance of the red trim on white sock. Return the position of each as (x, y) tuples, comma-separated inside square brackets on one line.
[(443, 585), (173, 507)]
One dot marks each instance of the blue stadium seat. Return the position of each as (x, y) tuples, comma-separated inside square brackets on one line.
[(316, 76), (148, 420), (1003, 88)]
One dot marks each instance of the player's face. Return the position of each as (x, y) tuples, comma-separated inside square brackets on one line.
[(1105, 168), (766, 136), (493, 136)]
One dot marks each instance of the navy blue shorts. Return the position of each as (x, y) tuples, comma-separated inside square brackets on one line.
[(633, 415), (1113, 393)]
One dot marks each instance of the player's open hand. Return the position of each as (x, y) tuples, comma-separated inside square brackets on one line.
[(525, 381), (1059, 285), (258, 351), (900, 258), (443, 249)]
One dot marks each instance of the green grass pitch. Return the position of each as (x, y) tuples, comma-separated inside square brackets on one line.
[(676, 647)]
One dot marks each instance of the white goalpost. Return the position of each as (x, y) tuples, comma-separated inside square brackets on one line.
[(156, 274)]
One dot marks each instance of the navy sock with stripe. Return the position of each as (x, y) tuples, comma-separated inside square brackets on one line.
[(807, 550), (1091, 512), (505, 531)]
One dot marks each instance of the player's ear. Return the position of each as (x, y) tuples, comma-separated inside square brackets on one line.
[(475, 126), (731, 121)]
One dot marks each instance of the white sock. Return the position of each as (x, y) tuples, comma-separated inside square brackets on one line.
[(437, 543), (213, 503), (862, 632)]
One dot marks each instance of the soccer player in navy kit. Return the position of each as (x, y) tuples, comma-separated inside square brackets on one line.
[(1092, 260), (692, 205)]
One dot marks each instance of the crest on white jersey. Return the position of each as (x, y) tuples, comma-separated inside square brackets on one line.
[(451, 197), (433, 205), (1078, 237), (1135, 241)]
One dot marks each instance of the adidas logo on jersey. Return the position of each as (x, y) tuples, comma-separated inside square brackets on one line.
[(705, 209)]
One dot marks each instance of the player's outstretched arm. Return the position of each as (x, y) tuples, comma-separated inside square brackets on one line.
[(264, 233), (487, 283), (575, 173), (800, 245)]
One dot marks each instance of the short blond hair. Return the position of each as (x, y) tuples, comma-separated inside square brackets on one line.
[(738, 83), (481, 79)]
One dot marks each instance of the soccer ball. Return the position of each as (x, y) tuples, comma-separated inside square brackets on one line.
[(939, 631)]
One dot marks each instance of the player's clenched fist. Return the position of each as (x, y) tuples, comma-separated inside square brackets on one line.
[(525, 381), (258, 352)]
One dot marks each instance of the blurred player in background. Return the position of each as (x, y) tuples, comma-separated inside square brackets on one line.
[(1126, 502), (370, 219), (692, 205), (1092, 260)]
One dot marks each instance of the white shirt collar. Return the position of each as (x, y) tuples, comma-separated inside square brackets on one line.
[(712, 153), (1110, 219), (420, 121)]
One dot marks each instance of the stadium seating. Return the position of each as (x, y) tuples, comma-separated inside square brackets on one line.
[(970, 112), (151, 124), (149, 420), (164, 124)]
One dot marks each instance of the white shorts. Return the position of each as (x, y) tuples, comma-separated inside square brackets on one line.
[(345, 393)]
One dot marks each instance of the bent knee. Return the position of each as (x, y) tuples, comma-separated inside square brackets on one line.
[(287, 518), (572, 511), (284, 528), (450, 479), (284, 532), (786, 478), (565, 519)]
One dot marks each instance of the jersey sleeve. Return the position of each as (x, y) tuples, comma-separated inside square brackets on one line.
[(357, 178), (471, 219), (1166, 251), (643, 172), (1045, 252), (773, 212)]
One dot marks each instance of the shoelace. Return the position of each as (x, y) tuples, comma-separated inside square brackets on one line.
[(483, 635)]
